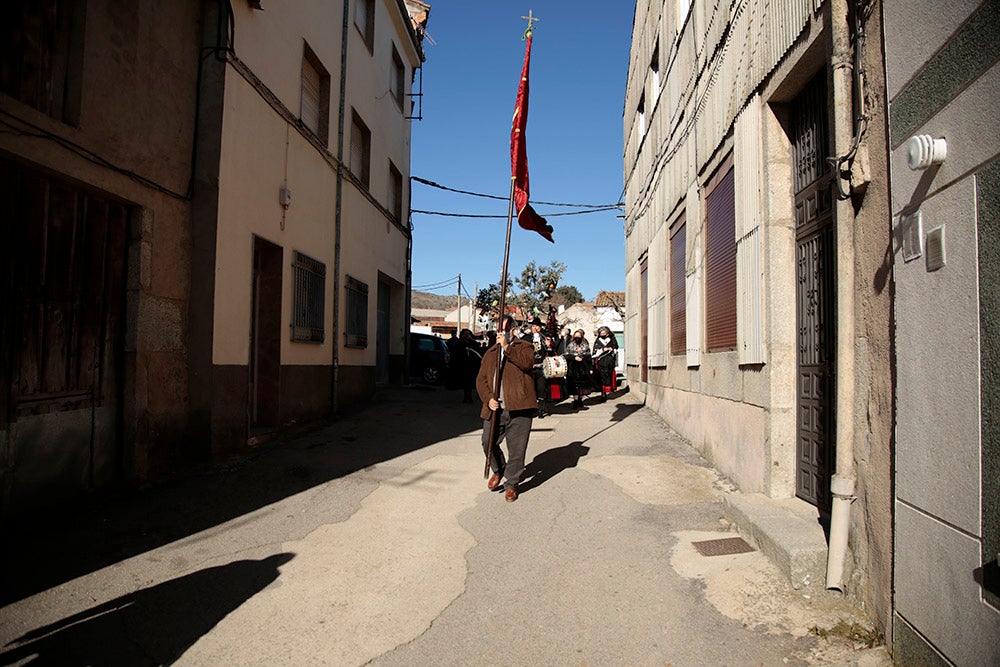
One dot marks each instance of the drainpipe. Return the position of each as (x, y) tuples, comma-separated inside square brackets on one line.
[(338, 215), (842, 484)]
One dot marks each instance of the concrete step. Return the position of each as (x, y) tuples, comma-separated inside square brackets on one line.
[(787, 531)]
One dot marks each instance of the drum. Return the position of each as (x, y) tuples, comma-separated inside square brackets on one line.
[(554, 367)]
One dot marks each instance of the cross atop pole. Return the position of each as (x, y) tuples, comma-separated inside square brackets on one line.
[(530, 19)]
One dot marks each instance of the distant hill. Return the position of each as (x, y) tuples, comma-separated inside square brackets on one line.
[(435, 301)]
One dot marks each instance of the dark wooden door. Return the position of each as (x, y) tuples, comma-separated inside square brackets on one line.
[(62, 333), (815, 296), (265, 336)]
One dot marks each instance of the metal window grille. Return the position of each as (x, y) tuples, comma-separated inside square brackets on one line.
[(309, 285), (356, 329)]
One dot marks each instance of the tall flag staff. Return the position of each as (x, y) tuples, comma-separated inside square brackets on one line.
[(527, 218)]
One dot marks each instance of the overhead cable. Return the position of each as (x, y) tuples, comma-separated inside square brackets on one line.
[(533, 201)]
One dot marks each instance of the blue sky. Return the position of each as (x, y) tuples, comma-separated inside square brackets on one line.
[(579, 63)]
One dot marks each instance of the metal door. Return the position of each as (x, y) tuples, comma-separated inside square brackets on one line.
[(815, 295)]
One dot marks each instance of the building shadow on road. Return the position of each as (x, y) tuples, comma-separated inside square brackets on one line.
[(47, 549), (152, 626), (550, 463)]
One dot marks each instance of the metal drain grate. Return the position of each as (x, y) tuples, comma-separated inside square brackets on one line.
[(723, 547)]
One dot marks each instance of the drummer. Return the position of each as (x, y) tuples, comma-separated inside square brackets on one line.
[(541, 344)]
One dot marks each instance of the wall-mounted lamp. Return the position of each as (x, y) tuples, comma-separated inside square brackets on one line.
[(285, 197), (923, 150)]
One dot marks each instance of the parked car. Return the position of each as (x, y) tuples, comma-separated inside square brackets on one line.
[(428, 358)]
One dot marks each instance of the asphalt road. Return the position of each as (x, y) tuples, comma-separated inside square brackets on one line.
[(374, 540)]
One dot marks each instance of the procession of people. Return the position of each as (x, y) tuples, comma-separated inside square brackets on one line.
[(565, 364)]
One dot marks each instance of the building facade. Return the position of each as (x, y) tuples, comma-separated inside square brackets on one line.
[(810, 300), (304, 251), (205, 229), (757, 300), (97, 104), (945, 221)]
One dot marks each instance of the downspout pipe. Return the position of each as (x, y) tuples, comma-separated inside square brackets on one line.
[(843, 482), (339, 211)]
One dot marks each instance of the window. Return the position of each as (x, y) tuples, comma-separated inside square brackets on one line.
[(720, 261), (397, 78), (654, 69), (41, 47), (315, 100), (641, 116), (395, 192), (361, 148), (356, 329), (308, 298), (364, 20), (678, 300)]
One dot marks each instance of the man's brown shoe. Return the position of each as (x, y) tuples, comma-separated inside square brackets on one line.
[(494, 482), (510, 495)]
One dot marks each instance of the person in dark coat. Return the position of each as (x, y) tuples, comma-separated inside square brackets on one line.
[(464, 364), (578, 366), (515, 406), (540, 343), (606, 355)]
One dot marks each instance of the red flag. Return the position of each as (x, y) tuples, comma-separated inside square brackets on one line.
[(526, 215)]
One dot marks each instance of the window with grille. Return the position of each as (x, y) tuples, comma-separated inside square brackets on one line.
[(308, 298), (356, 327), (395, 192), (361, 148), (41, 49), (364, 20), (720, 261), (397, 78), (678, 301), (315, 99)]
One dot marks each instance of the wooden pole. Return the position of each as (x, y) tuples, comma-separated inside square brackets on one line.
[(500, 331)]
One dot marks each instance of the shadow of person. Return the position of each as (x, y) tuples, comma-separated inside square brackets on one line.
[(153, 626), (623, 410), (550, 463)]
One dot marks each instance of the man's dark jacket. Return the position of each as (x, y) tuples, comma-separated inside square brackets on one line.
[(518, 384)]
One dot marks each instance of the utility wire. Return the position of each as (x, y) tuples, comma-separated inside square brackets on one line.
[(479, 215), (441, 283), (533, 201)]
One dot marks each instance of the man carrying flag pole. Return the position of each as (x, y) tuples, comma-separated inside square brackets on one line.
[(505, 382)]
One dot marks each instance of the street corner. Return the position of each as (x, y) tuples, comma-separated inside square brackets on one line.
[(657, 480)]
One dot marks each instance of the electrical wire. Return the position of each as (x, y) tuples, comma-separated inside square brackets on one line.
[(85, 153), (442, 283), (486, 196), (480, 215)]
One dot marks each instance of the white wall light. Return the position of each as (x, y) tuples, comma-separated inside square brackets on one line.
[(923, 150)]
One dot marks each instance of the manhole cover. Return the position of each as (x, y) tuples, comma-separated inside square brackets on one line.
[(723, 547)]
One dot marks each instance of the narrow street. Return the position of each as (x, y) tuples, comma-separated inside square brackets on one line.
[(375, 541)]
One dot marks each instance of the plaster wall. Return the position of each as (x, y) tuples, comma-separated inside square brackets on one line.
[(261, 154), (729, 434)]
